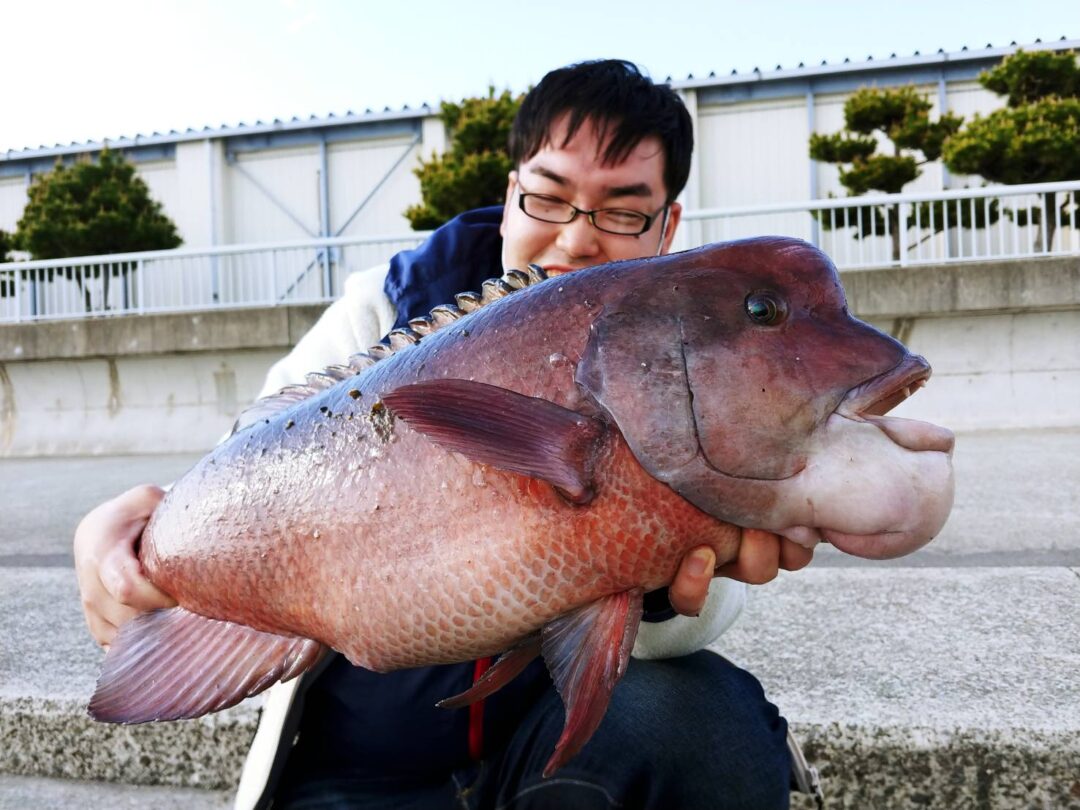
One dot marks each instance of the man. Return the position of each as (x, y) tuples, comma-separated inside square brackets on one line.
[(600, 155)]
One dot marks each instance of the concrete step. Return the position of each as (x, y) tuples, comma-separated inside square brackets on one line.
[(42, 500), (921, 687), (48, 667), (39, 793), (946, 679), (925, 687), (1016, 490)]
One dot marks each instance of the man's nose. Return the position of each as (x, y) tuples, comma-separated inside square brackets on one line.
[(579, 238)]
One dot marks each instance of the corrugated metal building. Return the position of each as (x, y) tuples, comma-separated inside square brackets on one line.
[(352, 174)]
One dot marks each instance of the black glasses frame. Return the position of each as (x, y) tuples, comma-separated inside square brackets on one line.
[(649, 220)]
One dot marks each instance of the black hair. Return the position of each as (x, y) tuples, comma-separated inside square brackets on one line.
[(622, 103)]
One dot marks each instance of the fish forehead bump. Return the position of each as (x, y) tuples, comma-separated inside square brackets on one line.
[(782, 261), (784, 253), (720, 269)]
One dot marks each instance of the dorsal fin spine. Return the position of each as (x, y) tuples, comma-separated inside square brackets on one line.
[(417, 329)]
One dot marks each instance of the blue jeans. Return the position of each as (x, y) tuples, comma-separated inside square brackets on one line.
[(680, 734)]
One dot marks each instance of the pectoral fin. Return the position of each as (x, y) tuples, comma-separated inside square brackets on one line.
[(174, 664), (587, 652), (511, 431)]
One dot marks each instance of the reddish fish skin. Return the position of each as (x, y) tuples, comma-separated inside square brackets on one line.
[(482, 562), (334, 521)]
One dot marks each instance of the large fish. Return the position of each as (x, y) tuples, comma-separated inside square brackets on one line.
[(514, 481)]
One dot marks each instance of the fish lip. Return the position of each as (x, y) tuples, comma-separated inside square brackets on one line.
[(879, 395), (869, 401)]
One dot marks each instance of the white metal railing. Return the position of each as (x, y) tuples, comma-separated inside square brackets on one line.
[(968, 224), (997, 222), (309, 271)]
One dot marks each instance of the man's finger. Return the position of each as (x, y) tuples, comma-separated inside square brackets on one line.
[(793, 556), (106, 609), (123, 578), (690, 588), (758, 560), (139, 502), (101, 630)]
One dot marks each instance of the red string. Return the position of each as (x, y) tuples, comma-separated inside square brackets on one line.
[(476, 714)]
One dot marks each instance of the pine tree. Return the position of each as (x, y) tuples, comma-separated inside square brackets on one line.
[(1035, 138), (473, 171), (92, 208), (903, 116)]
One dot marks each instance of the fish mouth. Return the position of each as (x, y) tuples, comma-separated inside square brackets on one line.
[(879, 395), (871, 400)]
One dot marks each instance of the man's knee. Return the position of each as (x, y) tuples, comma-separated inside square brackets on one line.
[(699, 718), (691, 732)]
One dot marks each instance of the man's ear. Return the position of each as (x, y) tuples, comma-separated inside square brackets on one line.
[(511, 184), (673, 222)]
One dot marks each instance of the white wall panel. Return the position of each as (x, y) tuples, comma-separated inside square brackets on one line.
[(12, 201), (355, 170), (192, 204), (164, 184), (753, 153), (828, 118), (258, 186), (970, 99)]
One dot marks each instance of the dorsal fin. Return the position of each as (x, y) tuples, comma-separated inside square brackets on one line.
[(418, 328)]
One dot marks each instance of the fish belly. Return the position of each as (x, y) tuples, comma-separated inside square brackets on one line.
[(411, 555)]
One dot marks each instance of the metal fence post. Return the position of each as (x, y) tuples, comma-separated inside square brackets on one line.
[(17, 282), (327, 264), (273, 278), (901, 226), (140, 286)]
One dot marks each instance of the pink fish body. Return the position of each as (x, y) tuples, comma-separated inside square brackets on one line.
[(516, 479)]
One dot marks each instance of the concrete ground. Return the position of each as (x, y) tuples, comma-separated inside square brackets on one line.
[(20, 792), (42, 500), (947, 679)]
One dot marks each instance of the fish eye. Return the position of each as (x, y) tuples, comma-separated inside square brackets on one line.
[(765, 308)]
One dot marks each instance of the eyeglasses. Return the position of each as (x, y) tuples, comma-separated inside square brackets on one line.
[(619, 221)]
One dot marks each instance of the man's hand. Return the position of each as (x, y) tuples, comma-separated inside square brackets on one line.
[(111, 581), (761, 556)]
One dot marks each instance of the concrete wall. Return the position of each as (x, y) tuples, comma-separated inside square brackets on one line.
[(151, 384), (1004, 340)]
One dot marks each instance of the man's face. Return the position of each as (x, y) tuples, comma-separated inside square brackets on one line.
[(575, 173)]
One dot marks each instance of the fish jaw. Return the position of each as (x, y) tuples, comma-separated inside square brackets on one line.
[(874, 486), (867, 494)]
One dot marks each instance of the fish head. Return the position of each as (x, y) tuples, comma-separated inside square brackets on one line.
[(738, 377)]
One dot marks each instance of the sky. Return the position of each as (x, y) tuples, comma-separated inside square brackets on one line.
[(78, 71)]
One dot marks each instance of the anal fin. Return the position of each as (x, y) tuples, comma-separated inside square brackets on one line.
[(587, 652), (173, 664), (508, 667)]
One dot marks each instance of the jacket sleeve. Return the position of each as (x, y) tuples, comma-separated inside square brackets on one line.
[(352, 323), (682, 635)]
